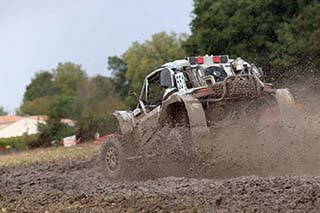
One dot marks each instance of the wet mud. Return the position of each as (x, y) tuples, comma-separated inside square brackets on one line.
[(77, 186), (281, 174)]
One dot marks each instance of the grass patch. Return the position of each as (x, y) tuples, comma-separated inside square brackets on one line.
[(48, 154), (17, 143)]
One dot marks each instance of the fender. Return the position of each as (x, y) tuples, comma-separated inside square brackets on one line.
[(126, 121), (196, 115)]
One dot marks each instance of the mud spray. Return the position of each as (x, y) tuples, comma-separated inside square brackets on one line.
[(290, 146), (287, 148)]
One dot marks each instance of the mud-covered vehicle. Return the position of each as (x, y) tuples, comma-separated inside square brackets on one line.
[(195, 93)]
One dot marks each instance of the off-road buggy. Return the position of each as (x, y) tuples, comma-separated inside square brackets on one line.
[(192, 94)]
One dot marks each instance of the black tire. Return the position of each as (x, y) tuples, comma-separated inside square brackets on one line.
[(112, 159)]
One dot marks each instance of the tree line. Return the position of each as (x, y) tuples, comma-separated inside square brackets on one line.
[(281, 36)]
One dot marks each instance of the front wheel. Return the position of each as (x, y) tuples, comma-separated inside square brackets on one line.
[(112, 159)]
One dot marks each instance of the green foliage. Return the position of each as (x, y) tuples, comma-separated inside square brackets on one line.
[(299, 40), (3, 111), (272, 33), (71, 94), (129, 70), (143, 58), (18, 143), (61, 86), (37, 106), (65, 106), (97, 106), (53, 130), (119, 69), (90, 124), (101, 87), (55, 94), (68, 78), (41, 85)]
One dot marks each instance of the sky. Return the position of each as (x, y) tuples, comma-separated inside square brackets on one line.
[(37, 34)]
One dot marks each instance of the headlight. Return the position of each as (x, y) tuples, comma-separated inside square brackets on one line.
[(258, 71)]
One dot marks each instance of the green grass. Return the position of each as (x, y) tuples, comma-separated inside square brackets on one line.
[(85, 150), (17, 143)]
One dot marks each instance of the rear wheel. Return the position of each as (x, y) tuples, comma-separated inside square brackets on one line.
[(112, 159)]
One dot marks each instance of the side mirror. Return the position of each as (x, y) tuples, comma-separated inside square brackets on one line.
[(258, 71), (133, 93), (166, 79), (261, 71)]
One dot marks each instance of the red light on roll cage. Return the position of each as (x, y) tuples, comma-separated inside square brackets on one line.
[(200, 60), (216, 59)]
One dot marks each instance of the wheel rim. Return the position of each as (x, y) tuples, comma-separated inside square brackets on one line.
[(112, 160)]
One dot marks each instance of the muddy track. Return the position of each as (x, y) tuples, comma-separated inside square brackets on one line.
[(268, 170), (246, 175), (77, 186)]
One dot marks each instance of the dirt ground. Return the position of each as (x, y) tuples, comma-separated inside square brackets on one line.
[(242, 181), (77, 186), (267, 169)]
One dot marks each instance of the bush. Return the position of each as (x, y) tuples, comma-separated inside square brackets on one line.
[(89, 125), (53, 130), (18, 143)]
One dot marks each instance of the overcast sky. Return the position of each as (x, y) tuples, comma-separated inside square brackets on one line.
[(37, 34)]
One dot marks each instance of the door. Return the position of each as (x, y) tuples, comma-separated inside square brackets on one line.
[(151, 96)]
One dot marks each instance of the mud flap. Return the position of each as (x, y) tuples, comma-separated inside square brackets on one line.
[(286, 103), (287, 108), (197, 118)]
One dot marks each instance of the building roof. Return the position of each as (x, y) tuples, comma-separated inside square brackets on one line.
[(44, 118), (9, 119), (20, 127), (38, 117), (12, 126)]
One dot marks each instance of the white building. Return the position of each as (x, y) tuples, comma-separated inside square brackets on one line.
[(13, 126), (23, 126)]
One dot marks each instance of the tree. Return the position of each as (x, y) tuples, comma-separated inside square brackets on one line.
[(96, 106), (62, 83), (37, 106), (298, 43), (97, 117), (71, 94), (260, 31), (54, 129), (143, 58), (3, 111), (68, 77), (101, 87), (119, 69), (41, 85)]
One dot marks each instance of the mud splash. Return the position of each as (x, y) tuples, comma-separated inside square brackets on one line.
[(287, 147), (276, 149), (77, 186), (290, 146)]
